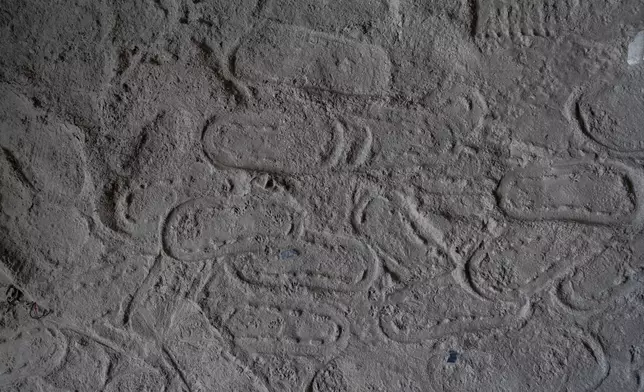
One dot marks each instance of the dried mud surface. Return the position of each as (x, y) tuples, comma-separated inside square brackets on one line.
[(321, 196)]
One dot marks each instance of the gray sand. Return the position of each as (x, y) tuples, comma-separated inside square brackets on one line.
[(321, 195)]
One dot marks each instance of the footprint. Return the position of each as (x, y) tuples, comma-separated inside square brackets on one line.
[(440, 307), (270, 140), (206, 228), (538, 357), (288, 328), (612, 114), (304, 58), (32, 351), (523, 260), (315, 261), (578, 191), (411, 247)]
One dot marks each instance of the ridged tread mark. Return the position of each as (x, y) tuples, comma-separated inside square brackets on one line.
[(474, 18), (542, 18)]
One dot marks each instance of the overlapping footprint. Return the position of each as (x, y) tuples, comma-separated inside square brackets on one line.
[(273, 324), (43, 181), (311, 141), (570, 209), (524, 260), (264, 244)]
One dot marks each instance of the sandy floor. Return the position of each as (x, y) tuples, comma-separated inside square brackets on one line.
[(321, 195)]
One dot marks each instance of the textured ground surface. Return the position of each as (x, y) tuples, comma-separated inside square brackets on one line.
[(321, 195)]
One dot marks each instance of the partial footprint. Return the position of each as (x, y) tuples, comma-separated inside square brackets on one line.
[(60, 55), (619, 329), (290, 328), (396, 138), (612, 114), (345, 16), (162, 148), (465, 108), (139, 212), (369, 371), (538, 357), (148, 194), (84, 366), (47, 155), (469, 370), (34, 350), (411, 246), (591, 287), (136, 376), (17, 193)]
